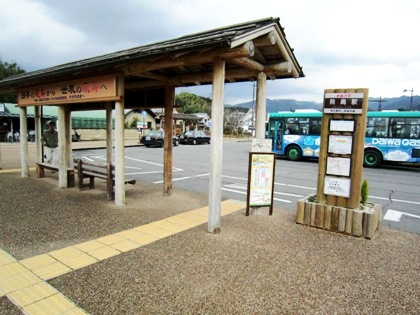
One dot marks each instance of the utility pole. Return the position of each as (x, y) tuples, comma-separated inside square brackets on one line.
[(380, 102), (411, 98)]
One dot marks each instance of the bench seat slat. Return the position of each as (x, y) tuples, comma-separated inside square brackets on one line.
[(88, 169)]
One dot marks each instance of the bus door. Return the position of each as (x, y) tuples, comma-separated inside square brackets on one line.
[(276, 133)]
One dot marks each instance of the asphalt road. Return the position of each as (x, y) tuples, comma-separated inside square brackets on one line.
[(396, 189)]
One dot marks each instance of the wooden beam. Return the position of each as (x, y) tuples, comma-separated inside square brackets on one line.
[(195, 78), (280, 43), (266, 40), (246, 50), (251, 69), (279, 68), (258, 56), (248, 64), (154, 76)]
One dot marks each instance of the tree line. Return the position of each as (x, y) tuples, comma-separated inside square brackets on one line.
[(8, 69)]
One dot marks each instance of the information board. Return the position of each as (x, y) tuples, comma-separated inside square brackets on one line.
[(338, 166), (340, 144), (343, 103), (342, 125), (261, 145), (261, 171), (337, 186)]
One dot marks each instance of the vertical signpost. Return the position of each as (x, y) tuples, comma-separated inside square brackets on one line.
[(337, 204), (342, 143)]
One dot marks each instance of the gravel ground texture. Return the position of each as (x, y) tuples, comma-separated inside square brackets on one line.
[(259, 264)]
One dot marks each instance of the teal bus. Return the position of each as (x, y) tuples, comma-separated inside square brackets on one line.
[(390, 136)]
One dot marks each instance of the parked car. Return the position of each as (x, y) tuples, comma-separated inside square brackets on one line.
[(156, 138), (194, 137)]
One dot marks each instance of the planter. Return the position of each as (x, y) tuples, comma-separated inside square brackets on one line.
[(363, 221)]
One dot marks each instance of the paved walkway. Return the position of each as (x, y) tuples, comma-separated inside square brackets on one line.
[(24, 281), (63, 251)]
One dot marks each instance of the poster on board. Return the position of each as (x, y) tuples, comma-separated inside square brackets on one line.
[(261, 171)]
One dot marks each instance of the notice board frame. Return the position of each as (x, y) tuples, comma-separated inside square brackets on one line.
[(261, 171)]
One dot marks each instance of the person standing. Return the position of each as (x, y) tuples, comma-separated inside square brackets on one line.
[(50, 140)]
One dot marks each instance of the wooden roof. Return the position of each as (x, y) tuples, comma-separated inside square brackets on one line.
[(248, 49)]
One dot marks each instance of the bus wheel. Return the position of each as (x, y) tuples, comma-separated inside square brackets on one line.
[(372, 158), (294, 153)]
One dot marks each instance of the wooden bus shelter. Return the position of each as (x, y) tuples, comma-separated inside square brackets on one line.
[(146, 77)]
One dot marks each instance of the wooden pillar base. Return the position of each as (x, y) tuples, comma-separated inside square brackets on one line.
[(356, 222)]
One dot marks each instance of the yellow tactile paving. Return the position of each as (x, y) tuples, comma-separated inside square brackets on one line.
[(181, 221), (154, 231), (23, 281), (110, 239), (73, 257), (139, 237), (55, 304), (104, 252), (193, 217), (38, 261), (125, 246), (204, 212), (18, 281), (89, 246), (51, 271), (5, 258), (32, 294), (170, 226), (13, 268)]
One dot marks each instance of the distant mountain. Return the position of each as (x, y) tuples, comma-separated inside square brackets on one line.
[(273, 106), (402, 102), (283, 105)]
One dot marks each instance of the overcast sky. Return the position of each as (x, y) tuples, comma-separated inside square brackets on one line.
[(340, 44)]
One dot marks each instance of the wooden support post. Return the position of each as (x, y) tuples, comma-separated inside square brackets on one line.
[(68, 151), (167, 151), (216, 149), (24, 153), (261, 106), (109, 181), (62, 157), (358, 153), (108, 115), (38, 134), (119, 145)]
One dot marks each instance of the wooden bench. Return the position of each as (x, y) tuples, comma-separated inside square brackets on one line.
[(40, 171), (92, 170)]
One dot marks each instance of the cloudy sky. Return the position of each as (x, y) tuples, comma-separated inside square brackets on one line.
[(339, 43)]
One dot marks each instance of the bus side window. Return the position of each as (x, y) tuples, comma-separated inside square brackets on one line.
[(315, 126), (304, 128), (414, 126), (292, 129)]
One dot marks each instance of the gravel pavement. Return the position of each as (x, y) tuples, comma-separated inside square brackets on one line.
[(259, 264)]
